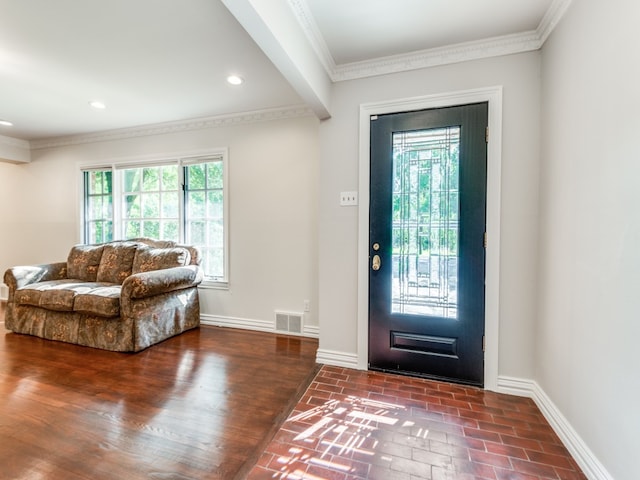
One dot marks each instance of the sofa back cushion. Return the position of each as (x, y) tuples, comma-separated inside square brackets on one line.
[(83, 262), (194, 252), (148, 258), (117, 262)]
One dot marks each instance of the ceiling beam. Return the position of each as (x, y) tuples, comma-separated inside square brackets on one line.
[(13, 150), (275, 29)]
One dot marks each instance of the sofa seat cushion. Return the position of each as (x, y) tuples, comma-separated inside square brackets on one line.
[(54, 294), (102, 301)]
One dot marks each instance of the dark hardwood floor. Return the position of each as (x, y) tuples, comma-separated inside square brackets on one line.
[(214, 403), (202, 405)]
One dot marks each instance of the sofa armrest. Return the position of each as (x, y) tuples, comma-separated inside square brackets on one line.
[(17, 277), (155, 282)]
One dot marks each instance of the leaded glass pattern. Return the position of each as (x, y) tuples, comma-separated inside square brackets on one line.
[(425, 222)]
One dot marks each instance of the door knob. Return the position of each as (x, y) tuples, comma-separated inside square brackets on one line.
[(375, 265)]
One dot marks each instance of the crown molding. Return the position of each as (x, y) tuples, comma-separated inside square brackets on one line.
[(305, 18), (433, 57), (178, 126), (462, 52), (551, 19)]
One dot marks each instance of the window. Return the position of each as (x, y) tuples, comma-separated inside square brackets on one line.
[(182, 200), (98, 206), (204, 202), (151, 202)]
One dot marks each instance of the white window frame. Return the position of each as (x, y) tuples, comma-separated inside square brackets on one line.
[(182, 159)]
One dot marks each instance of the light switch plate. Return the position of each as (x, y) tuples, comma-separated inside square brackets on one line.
[(348, 199)]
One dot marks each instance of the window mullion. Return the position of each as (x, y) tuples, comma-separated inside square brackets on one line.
[(182, 213), (85, 212), (117, 203)]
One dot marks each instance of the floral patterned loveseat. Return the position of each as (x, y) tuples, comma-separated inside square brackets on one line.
[(122, 296)]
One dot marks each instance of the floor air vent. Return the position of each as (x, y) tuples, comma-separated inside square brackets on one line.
[(287, 322)]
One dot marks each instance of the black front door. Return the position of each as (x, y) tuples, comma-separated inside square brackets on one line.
[(426, 242)]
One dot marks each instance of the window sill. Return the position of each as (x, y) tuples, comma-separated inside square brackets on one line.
[(214, 285)]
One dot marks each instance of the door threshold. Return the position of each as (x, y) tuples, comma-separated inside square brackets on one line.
[(425, 376)]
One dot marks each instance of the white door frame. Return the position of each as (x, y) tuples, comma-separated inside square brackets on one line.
[(492, 95)]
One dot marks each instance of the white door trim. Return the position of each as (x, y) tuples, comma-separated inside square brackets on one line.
[(493, 95)]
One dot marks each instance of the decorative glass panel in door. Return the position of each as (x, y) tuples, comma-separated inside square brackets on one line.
[(425, 222)]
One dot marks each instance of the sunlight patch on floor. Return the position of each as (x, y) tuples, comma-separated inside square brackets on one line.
[(343, 433)]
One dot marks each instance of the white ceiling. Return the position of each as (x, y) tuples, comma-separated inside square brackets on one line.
[(150, 61), (155, 61), (357, 30)]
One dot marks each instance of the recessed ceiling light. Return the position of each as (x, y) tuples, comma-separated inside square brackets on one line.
[(235, 80), (6, 123), (98, 105)]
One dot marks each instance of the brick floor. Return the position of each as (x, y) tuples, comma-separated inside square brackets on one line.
[(354, 425)]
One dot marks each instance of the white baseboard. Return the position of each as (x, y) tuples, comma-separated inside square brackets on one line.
[(588, 462), (310, 331), (516, 386), (337, 359), (234, 322)]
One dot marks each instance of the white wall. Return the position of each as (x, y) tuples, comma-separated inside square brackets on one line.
[(589, 315), (37, 212), (520, 76), (273, 210)]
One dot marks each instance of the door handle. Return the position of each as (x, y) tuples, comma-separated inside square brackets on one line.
[(375, 265)]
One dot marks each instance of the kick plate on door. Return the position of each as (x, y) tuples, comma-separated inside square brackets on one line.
[(426, 344)]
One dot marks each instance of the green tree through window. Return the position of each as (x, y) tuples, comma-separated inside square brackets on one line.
[(151, 202), (204, 199), (98, 206)]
